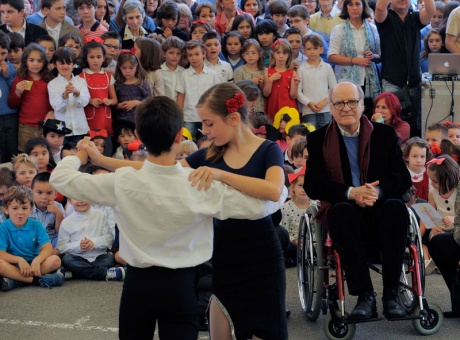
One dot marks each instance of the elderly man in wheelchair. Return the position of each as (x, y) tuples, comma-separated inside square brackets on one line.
[(356, 169)]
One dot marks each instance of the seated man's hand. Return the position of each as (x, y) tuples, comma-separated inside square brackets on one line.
[(365, 195)]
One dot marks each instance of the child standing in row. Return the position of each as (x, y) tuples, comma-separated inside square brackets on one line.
[(33, 262), (233, 41), (39, 149), (29, 93), (100, 86), (213, 47), (69, 95), (280, 80), (130, 86), (314, 94), (170, 69), (266, 34), (253, 69)]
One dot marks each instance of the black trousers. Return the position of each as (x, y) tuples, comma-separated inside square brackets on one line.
[(159, 294), (358, 233), (446, 254)]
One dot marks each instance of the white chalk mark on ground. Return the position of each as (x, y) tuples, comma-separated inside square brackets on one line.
[(77, 325)]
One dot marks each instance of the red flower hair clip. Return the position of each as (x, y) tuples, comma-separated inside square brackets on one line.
[(234, 103), (276, 43), (131, 51), (196, 22), (98, 40), (99, 133), (435, 149)]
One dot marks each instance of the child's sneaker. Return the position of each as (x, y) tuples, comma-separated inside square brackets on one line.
[(67, 275), (49, 280), (115, 274), (8, 284)]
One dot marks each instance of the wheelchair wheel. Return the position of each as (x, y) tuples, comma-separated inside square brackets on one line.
[(309, 257), (431, 322), (406, 295), (336, 329)]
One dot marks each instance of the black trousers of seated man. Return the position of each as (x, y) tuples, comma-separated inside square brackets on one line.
[(358, 233)]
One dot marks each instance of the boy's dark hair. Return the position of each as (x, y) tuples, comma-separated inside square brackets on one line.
[(90, 46), (42, 177), (191, 44), (45, 131), (278, 7), (298, 129), (251, 90), (121, 125), (68, 147), (65, 56), (298, 147), (111, 35), (173, 42), (167, 10), (46, 38), (48, 3), (291, 31), (211, 35), (20, 193), (16, 41), (299, 11), (267, 26), (78, 3), (16, 4), (158, 120), (314, 39), (62, 40), (6, 177), (5, 41), (438, 127)]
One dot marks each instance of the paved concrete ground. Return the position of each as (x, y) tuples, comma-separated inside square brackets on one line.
[(89, 310)]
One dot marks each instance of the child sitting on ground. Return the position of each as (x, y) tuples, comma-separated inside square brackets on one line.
[(46, 210), (6, 181), (32, 262), (24, 168), (84, 238), (124, 133)]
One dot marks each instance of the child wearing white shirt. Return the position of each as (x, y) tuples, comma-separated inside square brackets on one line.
[(69, 95), (84, 237), (170, 69)]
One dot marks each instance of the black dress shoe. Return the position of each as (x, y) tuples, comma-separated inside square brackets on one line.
[(451, 315), (366, 308), (392, 307)]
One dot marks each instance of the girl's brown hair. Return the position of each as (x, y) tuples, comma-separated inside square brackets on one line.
[(216, 100), (150, 59), (131, 58), (447, 173), (285, 47), (416, 141)]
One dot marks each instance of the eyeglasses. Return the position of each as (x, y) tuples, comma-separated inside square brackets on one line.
[(352, 104), (309, 2), (250, 53), (73, 47), (111, 47)]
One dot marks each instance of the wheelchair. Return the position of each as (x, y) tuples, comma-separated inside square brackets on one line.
[(321, 281)]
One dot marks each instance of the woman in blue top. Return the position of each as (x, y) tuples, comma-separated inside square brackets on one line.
[(248, 267)]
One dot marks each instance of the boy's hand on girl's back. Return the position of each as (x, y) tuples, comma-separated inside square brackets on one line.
[(203, 176), (35, 267), (24, 267)]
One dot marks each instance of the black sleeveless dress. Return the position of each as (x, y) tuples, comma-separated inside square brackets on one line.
[(249, 280)]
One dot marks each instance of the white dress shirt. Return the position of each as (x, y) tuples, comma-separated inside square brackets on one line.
[(163, 220)]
